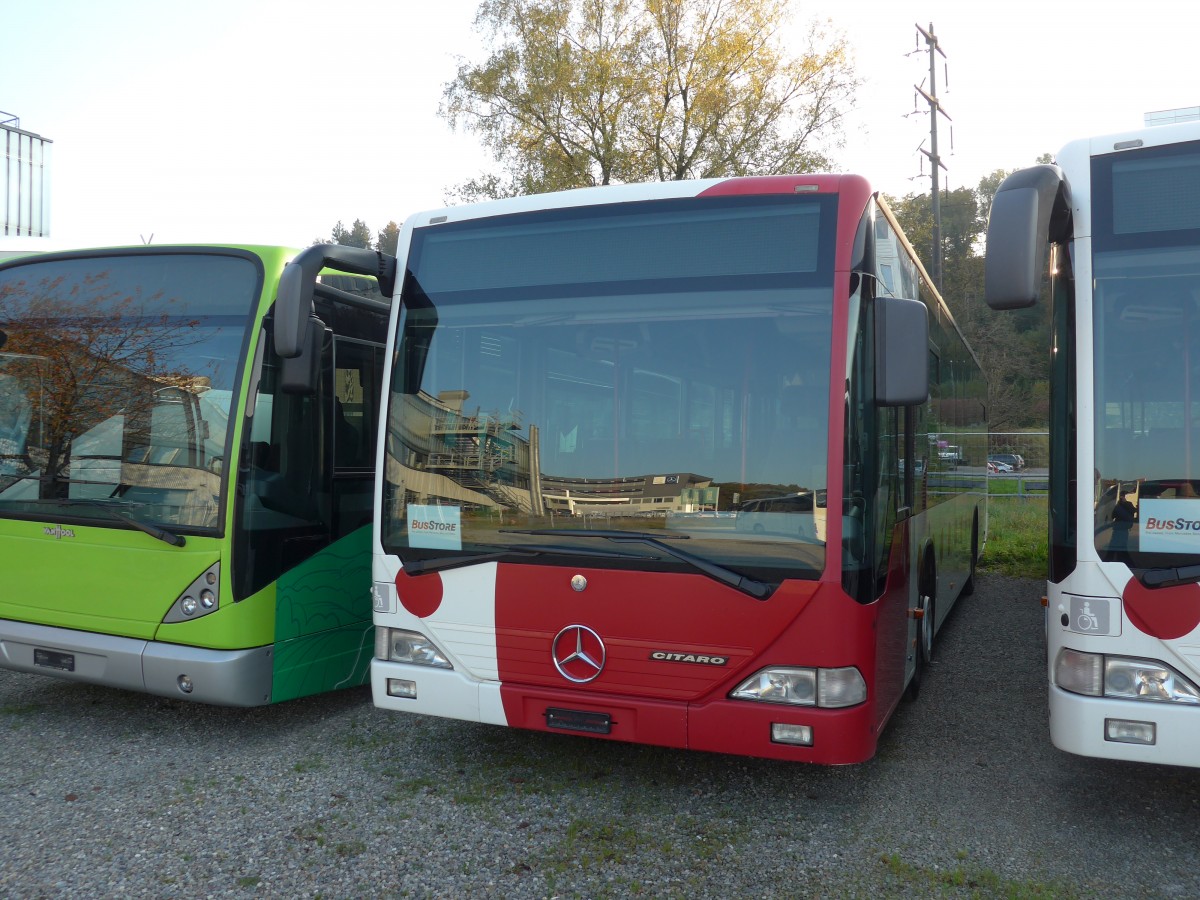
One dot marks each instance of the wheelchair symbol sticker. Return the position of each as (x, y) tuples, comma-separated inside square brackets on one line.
[(1089, 615)]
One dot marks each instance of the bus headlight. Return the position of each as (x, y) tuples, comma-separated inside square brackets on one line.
[(398, 645), (1122, 678), (838, 688), (206, 588), (1080, 673), (826, 688), (797, 686)]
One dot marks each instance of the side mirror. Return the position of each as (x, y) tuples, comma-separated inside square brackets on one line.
[(901, 352), (294, 302), (1031, 209), (293, 306), (299, 374)]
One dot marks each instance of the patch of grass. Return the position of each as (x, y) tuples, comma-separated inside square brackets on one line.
[(403, 788), (975, 881), (475, 794), (349, 848), (601, 842), (361, 738), (1017, 538), (314, 832), (18, 709), (309, 764), (710, 837), (1011, 485)]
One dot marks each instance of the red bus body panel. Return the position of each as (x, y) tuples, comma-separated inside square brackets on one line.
[(686, 704)]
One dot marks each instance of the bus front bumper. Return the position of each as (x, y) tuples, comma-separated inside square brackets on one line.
[(220, 677), (721, 726), (1082, 725)]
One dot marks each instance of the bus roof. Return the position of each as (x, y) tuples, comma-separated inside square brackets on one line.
[(1146, 136), (632, 193)]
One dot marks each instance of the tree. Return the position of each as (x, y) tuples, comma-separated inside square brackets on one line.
[(1012, 347), (359, 234), (388, 239), (578, 93)]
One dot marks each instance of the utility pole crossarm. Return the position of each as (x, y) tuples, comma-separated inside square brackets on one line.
[(935, 160), (930, 39), (933, 101)]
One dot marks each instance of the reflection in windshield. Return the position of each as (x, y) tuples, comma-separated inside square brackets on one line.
[(666, 386), (1147, 326), (116, 380)]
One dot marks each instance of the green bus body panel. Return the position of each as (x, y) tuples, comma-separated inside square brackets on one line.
[(105, 580), (324, 638), (234, 626)]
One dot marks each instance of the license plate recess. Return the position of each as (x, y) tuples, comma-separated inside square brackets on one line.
[(579, 720), (54, 659)]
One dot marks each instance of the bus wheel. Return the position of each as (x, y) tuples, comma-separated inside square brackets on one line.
[(925, 625), (968, 587), (925, 630)]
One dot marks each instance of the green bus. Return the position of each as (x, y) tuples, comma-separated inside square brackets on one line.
[(184, 510)]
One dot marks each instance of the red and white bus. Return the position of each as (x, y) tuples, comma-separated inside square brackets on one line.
[(589, 391), (1120, 215)]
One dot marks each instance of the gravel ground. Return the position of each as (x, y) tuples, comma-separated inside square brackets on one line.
[(108, 793)]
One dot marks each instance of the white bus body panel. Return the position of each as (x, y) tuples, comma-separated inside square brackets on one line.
[(464, 628), (1077, 723)]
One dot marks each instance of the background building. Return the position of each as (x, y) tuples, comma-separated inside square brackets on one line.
[(24, 180)]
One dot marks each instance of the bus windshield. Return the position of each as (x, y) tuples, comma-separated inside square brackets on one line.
[(659, 367), (1146, 317), (117, 375)]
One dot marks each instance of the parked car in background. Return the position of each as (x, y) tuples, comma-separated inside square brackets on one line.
[(1014, 461)]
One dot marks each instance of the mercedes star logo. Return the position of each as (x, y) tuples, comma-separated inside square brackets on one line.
[(578, 653)]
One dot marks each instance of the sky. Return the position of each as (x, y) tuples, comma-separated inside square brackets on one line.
[(269, 121)]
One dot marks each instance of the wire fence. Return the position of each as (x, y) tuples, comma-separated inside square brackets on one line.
[(1020, 461), (1032, 446), (1018, 486)]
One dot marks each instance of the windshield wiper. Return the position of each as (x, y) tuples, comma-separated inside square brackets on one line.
[(1167, 577), (167, 537), (759, 590), (442, 563)]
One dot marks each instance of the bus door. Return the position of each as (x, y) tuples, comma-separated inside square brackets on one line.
[(305, 511), (357, 378), (284, 497)]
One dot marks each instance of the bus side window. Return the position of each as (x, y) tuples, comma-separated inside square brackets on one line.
[(357, 378), (346, 439), (357, 373)]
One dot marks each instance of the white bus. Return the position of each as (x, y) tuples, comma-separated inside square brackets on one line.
[(1121, 215)]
